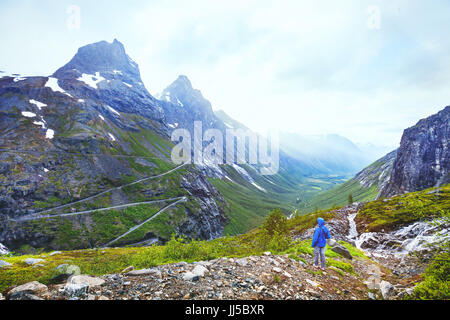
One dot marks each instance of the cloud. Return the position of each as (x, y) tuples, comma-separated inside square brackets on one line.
[(304, 66)]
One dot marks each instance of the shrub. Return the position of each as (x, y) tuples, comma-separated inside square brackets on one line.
[(436, 284)]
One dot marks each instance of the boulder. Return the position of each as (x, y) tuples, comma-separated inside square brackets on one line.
[(31, 261), (199, 270), (82, 279), (387, 290), (54, 253), (64, 271), (343, 251), (143, 272), (189, 276), (32, 288), (76, 289), (242, 262)]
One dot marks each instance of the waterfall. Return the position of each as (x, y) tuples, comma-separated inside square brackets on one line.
[(352, 233), (3, 249), (416, 236)]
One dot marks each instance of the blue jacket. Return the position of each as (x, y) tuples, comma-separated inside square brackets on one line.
[(320, 235)]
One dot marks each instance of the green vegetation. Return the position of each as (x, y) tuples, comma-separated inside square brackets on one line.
[(248, 205), (272, 236), (436, 279), (407, 208), (339, 196)]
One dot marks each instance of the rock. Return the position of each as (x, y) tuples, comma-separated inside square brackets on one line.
[(31, 261), (54, 253), (153, 272), (24, 296), (276, 269), (267, 253), (343, 251), (312, 283), (371, 296), (2, 297), (33, 288), (64, 271), (103, 298), (4, 264), (82, 279), (200, 270), (76, 289), (409, 291), (128, 269), (242, 262), (189, 276), (387, 289)]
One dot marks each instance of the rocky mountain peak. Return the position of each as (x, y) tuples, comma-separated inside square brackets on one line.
[(102, 57), (182, 94)]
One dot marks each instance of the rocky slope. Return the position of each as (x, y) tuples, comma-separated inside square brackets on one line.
[(423, 159)]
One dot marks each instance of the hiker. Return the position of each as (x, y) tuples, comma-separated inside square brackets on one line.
[(319, 242)]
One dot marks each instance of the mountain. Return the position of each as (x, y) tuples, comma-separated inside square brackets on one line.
[(86, 158), (421, 162), (423, 159), (85, 162)]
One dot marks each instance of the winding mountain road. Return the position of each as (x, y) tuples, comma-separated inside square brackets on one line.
[(141, 224), (104, 192), (39, 216)]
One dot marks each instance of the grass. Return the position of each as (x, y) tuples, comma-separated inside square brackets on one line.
[(114, 260), (403, 209)]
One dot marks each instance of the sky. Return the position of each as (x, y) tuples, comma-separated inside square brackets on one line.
[(363, 69)]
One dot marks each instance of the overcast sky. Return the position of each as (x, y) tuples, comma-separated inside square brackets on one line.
[(362, 69)]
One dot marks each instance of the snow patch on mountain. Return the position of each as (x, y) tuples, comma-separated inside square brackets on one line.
[(28, 114), (113, 110), (91, 80), (50, 134), (111, 137), (38, 104), (52, 83)]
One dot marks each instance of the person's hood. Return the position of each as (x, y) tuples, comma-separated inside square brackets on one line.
[(321, 222)]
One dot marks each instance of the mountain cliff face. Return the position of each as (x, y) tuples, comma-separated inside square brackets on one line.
[(88, 138), (423, 159)]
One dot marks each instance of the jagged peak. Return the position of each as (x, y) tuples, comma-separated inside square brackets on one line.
[(102, 56)]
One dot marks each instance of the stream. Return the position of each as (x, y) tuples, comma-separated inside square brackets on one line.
[(417, 236)]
